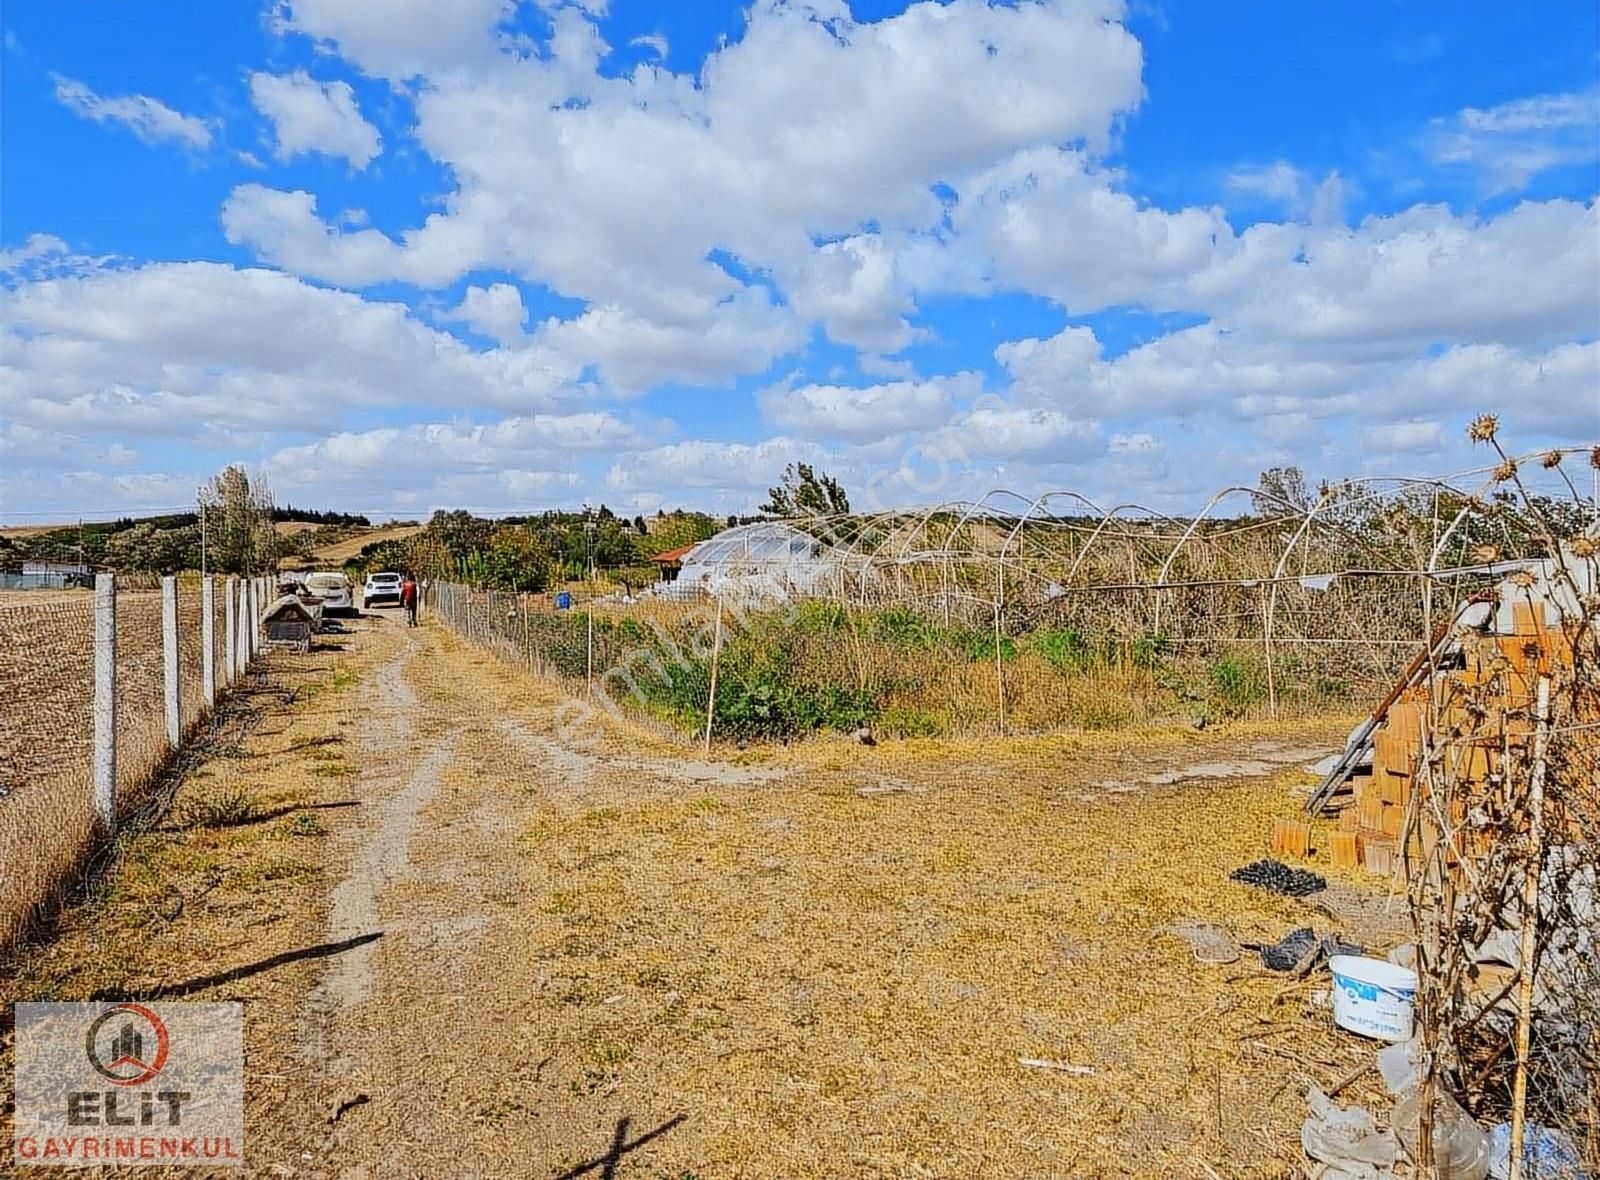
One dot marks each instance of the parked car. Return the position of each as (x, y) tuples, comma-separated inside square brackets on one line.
[(334, 590), (381, 588)]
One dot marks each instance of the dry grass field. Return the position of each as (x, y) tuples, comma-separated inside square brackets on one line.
[(334, 554), (16, 532), (342, 551), (815, 961)]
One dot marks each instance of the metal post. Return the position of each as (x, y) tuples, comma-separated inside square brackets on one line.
[(208, 640), (1270, 602), (169, 658), (230, 638), (1000, 667), (105, 702)]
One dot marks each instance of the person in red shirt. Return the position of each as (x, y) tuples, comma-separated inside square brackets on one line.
[(408, 599)]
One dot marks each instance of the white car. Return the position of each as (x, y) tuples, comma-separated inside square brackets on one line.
[(334, 590), (381, 588)]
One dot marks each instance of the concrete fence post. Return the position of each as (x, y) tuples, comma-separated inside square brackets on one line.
[(230, 661), (208, 641), (242, 647), (105, 702), (252, 601), (169, 659)]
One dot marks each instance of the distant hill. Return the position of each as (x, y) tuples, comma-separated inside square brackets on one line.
[(335, 553)]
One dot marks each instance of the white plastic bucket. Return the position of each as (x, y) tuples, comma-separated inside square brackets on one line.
[(1373, 997)]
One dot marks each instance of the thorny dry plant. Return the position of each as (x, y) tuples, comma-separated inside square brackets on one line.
[(1508, 809)]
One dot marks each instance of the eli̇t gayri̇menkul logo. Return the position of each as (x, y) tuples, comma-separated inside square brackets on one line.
[(128, 1083)]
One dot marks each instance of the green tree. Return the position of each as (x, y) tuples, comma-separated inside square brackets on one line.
[(518, 558), (805, 492), (1280, 491), (155, 550), (459, 532), (239, 534), (614, 544), (677, 530)]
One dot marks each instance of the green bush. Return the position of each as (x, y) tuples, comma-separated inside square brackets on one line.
[(902, 627), (980, 646), (812, 616), (902, 721), (1237, 683), (1149, 650), (1064, 647)]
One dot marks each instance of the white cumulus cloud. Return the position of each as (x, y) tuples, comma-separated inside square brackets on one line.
[(150, 119), (312, 116), (1510, 144)]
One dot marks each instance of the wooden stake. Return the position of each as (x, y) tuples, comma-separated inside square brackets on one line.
[(1530, 923), (711, 697)]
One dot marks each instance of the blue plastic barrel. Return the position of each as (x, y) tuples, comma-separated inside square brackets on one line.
[(563, 600)]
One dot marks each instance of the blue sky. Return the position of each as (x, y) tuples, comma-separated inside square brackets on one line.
[(418, 254)]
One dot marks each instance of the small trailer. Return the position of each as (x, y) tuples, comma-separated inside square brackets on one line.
[(289, 623)]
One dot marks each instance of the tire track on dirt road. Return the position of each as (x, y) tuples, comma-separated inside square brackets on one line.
[(434, 867), (392, 802)]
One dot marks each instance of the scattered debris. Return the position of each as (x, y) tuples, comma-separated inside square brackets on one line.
[(1210, 944), (1058, 1066), (1300, 950), (1460, 1146), (1545, 1152), (1346, 1141), (891, 786), (1263, 758), (1373, 997), (1291, 838), (1277, 877), (1372, 919), (347, 1105), (1351, 1078)]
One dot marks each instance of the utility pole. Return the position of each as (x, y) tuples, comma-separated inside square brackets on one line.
[(589, 528)]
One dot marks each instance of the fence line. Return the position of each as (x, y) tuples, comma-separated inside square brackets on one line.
[(784, 669), (102, 689)]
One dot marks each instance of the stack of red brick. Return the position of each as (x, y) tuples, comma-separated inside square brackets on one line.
[(1482, 721)]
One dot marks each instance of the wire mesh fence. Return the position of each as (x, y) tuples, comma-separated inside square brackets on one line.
[(984, 619), (786, 668), (48, 657)]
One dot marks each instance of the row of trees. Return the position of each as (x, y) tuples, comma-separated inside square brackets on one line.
[(1493, 528), (233, 531), (530, 553), (533, 552), (230, 532)]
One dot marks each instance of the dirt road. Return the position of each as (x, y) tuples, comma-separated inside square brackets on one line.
[(494, 953)]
